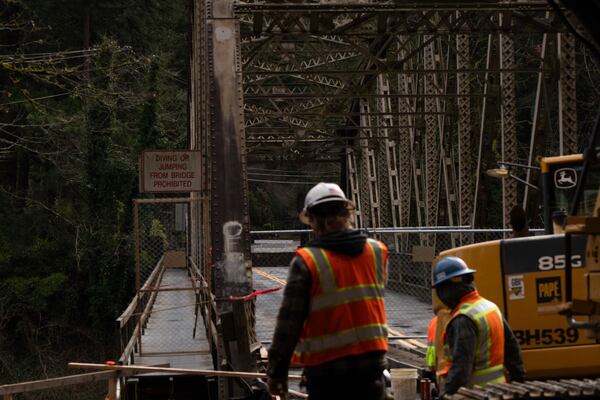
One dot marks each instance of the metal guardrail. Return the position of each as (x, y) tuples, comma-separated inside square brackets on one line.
[(404, 229), (132, 321), (411, 251), (205, 302)]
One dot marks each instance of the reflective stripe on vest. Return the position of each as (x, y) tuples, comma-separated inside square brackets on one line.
[(323, 268), (430, 356), (489, 353), (378, 259), (339, 339), (343, 296), (347, 312), (488, 376)]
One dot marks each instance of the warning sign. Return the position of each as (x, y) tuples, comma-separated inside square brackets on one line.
[(170, 171), (516, 287)]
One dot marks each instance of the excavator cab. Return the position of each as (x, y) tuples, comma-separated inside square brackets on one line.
[(560, 176), (582, 310)]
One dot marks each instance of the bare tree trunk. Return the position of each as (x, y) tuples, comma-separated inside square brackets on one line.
[(87, 37)]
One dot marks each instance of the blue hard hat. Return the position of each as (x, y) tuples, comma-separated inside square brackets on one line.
[(448, 268)]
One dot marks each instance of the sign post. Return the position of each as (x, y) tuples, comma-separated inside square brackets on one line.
[(167, 171)]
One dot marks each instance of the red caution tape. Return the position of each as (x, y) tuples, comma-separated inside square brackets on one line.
[(253, 294)]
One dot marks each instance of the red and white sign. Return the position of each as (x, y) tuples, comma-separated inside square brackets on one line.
[(170, 171)]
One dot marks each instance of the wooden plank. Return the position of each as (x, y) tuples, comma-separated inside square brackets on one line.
[(188, 371), (56, 382), (185, 360), (112, 389)]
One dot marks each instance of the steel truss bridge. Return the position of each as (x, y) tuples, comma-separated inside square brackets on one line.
[(407, 96)]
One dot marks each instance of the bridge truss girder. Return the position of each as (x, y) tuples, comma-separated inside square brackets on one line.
[(405, 95), (331, 56)]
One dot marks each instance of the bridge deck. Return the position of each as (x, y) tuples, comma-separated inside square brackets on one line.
[(406, 315), (168, 337)]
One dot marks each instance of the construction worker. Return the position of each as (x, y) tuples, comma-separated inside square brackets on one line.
[(332, 319), (518, 222), (478, 344)]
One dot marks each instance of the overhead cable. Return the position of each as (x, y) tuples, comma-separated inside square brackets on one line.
[(282, 182), (291, 176)]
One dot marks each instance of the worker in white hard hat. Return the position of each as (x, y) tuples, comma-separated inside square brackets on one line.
[(332, 319)]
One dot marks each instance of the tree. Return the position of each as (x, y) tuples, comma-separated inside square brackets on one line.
[(85, 87)]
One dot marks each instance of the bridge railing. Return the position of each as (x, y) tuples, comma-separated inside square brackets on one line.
[(205, 303), (132, 321)]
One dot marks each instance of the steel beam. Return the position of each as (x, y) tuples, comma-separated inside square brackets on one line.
[(229, 196), (368, 167), (355, 192), (567, 100), (432, 139), (386, 155), (464, 127), (406, 138), (389, 18), (535, 118), (508, 127)]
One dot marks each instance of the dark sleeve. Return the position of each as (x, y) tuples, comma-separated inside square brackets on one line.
[(290, 320), (462, 340), (513, 359)]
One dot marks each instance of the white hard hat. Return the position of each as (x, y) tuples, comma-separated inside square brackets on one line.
[(322, 193)]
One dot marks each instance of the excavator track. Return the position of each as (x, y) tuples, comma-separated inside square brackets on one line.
[(551, 389)]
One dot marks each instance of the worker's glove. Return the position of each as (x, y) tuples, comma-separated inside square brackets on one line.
[(278, 386)]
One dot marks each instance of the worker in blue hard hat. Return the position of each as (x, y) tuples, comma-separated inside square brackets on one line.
[(478, 344)]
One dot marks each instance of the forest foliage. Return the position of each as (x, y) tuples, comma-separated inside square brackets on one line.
[(85, 85)]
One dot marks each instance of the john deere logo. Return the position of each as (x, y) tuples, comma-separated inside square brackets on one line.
[(565, 178)]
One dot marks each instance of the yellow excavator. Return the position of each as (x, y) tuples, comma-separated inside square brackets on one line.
[(534, 280)]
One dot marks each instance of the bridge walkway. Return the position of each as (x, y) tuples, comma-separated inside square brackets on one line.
[(168, 337), (407, 316)]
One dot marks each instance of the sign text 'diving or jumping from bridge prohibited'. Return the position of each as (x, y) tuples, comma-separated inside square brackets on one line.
[(170, 171)]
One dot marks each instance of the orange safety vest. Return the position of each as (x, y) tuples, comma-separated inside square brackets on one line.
[(347, 311), (430, 357), (489, 354)]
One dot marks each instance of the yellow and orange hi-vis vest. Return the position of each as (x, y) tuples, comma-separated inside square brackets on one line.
[(488, 366), (347, 311), (430, 357)]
